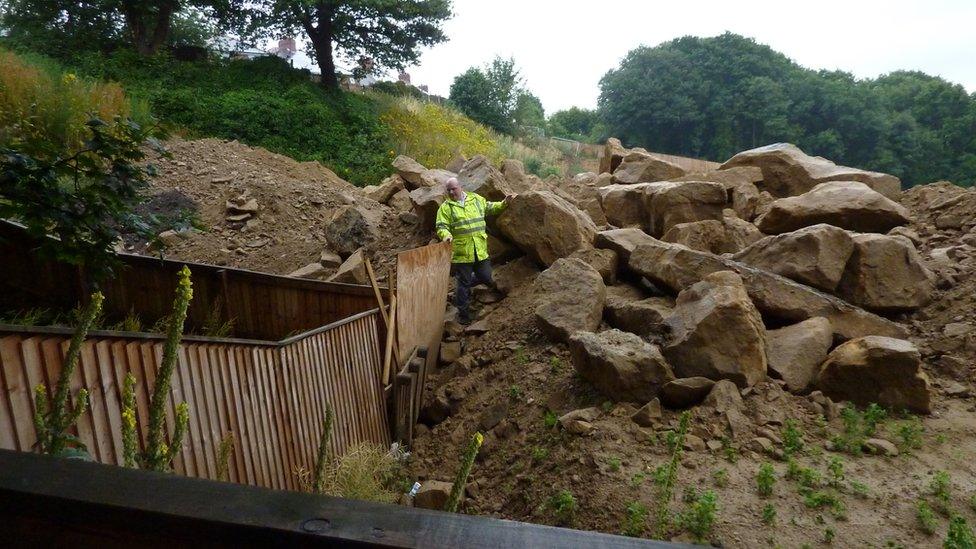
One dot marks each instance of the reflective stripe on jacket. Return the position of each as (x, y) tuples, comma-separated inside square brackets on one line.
[(466, 225)]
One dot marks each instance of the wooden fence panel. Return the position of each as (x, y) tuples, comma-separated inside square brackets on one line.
[(271, 396)]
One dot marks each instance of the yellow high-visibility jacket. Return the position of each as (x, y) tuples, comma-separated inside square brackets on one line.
[(466, 225)]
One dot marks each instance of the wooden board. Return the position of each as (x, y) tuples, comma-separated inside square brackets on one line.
[(422, 279)]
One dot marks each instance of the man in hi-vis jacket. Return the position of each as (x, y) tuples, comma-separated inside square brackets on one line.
[(461, 221)]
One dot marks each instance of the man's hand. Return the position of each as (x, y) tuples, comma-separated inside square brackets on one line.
[(508, 199)]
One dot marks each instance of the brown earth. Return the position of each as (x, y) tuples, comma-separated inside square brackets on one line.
[(507, 379)]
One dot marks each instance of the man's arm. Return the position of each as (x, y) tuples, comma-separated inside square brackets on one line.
[(495, 208), (442, 225)]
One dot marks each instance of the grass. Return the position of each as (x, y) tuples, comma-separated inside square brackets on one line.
[(926, 518), (563, 505), (835, 468), (940, 488), (909, 435), (699, 517), (614, 464), (769, 514), (365, 472), (960, 535), (549, 419), (858, 426), (720, 477)]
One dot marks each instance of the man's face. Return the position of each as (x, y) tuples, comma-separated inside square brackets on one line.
[(454, 189)]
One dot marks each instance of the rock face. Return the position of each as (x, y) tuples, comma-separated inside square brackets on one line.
[(624, 205), (620, 365), (716, 332), (707, 236), (584, 192), (815, 255), (352, 270), (780, 298), (723, 397), (795, 353), (876, 369), (545, 226), (886, 274), (571, 299), (671, 202), (627, 309), (740, 184), (685, 392), (739, 233), (788, 171), (637, 167), (350, 230), (478, 175), (846, 204)]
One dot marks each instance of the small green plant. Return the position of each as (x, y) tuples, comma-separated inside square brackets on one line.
[(515, 392), (730, 452), (467, 461), (972, 502), (555, 365), (836, 469), (614, 464), (960, 535), (540, 453), (720, 477), (606, 406), (53, 419), (873, 415), (765, 479), (637, 479), (769, 514), (215, 325), (670, 474), (521, 357), (549, 419), (860, 490), (563, 506), (792, 438), (926, 518), (940, 488), (699, 518), (829, 535), (910, 435), (636, 522)]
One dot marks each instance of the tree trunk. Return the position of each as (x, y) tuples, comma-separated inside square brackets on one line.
[(145, 37), (321, 37)]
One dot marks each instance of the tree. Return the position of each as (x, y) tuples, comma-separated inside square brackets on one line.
[(390, 32), (529, 111), (574, 123), (490, 95)]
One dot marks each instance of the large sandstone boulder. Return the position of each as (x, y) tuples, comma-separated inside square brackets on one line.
[(623, 241), (639, 167), (352, 270), (795, 353), (788, 171), (673, 202), (586, 196), (620, 365), (729, 235), (571, 296), (352, 228), (780, 298), (624, 205), (613, 155), (545, 226), (686, 391), (385, 190), (814, 255), (716, 332), (846, 204), (426, 201), (479, 176), (740, 184), (885, 273), (876, 369), (410, 170), (603, 260), (739, 233), (626, 308)]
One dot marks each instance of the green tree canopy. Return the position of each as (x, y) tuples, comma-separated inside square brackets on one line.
[(713, 97), (576, 123), (492, 95), (390, 32), (529, 111)]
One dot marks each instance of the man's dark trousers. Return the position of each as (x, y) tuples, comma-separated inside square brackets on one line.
[(467, 275)]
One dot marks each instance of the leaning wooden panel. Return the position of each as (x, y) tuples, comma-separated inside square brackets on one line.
[(17, 396), (422, 279)]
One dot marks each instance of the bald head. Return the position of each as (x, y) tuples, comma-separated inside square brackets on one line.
[(454, 188)]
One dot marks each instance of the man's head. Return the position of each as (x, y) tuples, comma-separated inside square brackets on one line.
[(454, 188)]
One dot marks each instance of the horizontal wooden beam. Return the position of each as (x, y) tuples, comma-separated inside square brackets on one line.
[(47, 501)]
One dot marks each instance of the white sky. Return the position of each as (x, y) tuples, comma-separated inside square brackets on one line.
[(564, 47)]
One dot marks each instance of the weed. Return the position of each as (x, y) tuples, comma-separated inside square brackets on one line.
[(792, 438), (700, 515), (804, 476), (467, 460), (729, 451), (563, 506), (769, 514), (555, 364), (858, 426), (214, 325), (720, 477), (637, 479), (940, 438), (539, 453), (614, 464), (607, 406), (960, 535), (670, 474), (636, 521), (521, 357), (689, 494), (765, 480), (515, 392), (939, 488), (829, 536), (873, 415), (549, 419), (926, 518), (860, 490), (910, 433), (836, 469)]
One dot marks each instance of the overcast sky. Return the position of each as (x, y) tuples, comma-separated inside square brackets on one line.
[(563, 47)]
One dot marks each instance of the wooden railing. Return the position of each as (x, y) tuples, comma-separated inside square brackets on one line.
[(271, 396)]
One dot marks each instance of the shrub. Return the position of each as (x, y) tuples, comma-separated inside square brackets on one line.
[(365, 472), (769, 514), (700, 515), (926, 518), (563, 505), (765, 480), (960, 536), (636, 519), (792, 438)]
